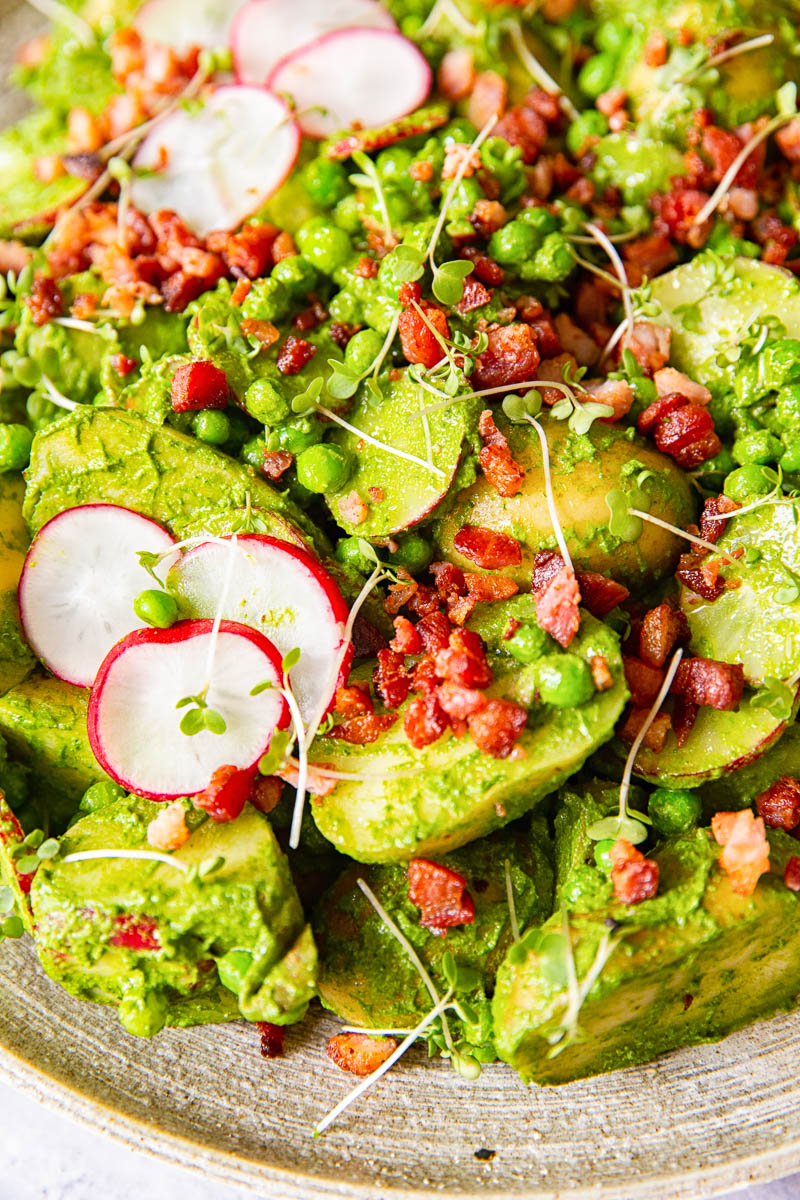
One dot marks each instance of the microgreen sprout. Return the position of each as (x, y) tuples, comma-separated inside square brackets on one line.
[(512, 908), (56, 397), (448, 10), (776, 696), (344, 379), (525, 408), (603, 241), (62, 14), (536, 70), (716, 60), (120, 169), (627, 824), (136, 855), (34, 849), (10, 922), (200, 716), (625, 521), (275, 757), (369, 178)]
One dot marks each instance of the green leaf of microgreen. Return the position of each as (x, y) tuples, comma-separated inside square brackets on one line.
[(213, 721), (48, 849), (309, 398), (630, 828), (27, 864), (776, 697), (621, 523), (6, 901), (12, 927), (150, 560), (278, 752), (192, 722), (519, 408), (586, 414), (407, 263), (266, 685), (787, 594), (448, 281), (290, 660)]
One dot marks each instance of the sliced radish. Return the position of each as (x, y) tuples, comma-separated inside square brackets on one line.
[(79, 580), (215, 165), (133, 722), (183, 24), (266, 31), (282, 592), (353, 77)]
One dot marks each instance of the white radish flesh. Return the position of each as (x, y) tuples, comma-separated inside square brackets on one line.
[(78, 584), (354, 77), (282, 592), (183, 24), (267, 31), (134, 725), (215, 165)]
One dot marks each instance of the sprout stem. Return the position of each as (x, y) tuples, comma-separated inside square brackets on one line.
[(88, 855), (642, 734)]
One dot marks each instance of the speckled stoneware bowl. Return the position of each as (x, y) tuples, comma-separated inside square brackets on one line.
[(693, 1124)]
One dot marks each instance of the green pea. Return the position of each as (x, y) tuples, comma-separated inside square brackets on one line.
[(674, 812), (465, 197), (156, 608), (324, 245), (362, 349), (780, 362), (513, 243), (393, 165), (99, 795), (145, 1015), (612, 36), (414, 553), (347, 214), (528, 643), (325, 181), (233, 967), (212, 427), (790, 459), (348, 553), (602, 855), (26, 372), (597, 74), (253, 451), (15, 447), (553, 261), (346, 308), (591, 124), (458, 130), (267, 300), (787, 406), (760, 446), (323, 468), (296, 274), (746, 482), (538, 218), (295, 436), (564, 680), (264, 402)]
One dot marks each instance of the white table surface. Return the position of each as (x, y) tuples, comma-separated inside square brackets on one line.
[(46, 1156)]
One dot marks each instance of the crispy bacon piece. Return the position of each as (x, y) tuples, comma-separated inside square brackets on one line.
[(656, 737), (644, 681), (684, 715), (45, 300), (601, 672), (392, 682), (456, 74), (496, 727), (248, 253), (168, 830), (434, 630), (362, 730), (488, 98), (512, 356), (490, 587), (460, 702), (717, 510), (367, 640), (705, 681), (663, 628), (682, 430), (670, 382), (690, 573), (487, 548), (199, 385), (600, 594), (353, 509), (791, 876), (675, 213), (263, 332), (276, 463), (557, 606), (425, 720), (406, 638), (779, 805), (497, 462), (486, 269), (423, 601), (359, 1053), (440, 894), (635, 878), (122, 364), (226, 794), (318, 785), (417, 340), (271, 1039), (463, 660), (353, 700), (294, 354), (652, 416), (266, 793), (745, 849)]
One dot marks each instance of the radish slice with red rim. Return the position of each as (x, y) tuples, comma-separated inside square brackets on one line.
[(134, 724), (266, 31), (281, 591), (183, 24), (353, 77), (217, 163), (79, 580)]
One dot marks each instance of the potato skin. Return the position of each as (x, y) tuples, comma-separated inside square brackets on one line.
[(583, 470)]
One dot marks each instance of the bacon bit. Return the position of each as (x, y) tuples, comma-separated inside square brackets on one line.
[(340, 334), (644, 681), (390, 679), (656, 737), (663, 627), (14, 256), (600, 594), (421, 172), (263, 332), (47, 167), (359, 1053), (684, 433), (583, 348), (376, 494), (406, 638), (318, 785), (707, 682), (616, 393), (353, 700), (490, 588), (366, 268), (226, 794), (722, 146), (283, 247), (456, 74), (635, 878), (449, 579), (779, 805), (45, 300), (675, 214), (510, 629), (271, 1039), (475, 295), (401, 593), (650, 418), (488, 98), (668, 381), (791, 876), (418, 342), (434, 630), (168, 830), (690, 574), (487, 217), (352, 509), (440, 894), (611, 101), (294, 354), (511, 357), (486, 269), (275, 463), (684, 715), (425, 720), (745, 853), (649, 344), (247, 253), (717, 510), (497, 462), (266, 793), (601, 673), (122, 364), (788, 140), (85, 132), (460, 702), (362, 730), (487, 548), (557, 606), (524, 127), (460, 608), (425, 600), (460, 157), (650, 256), (463, 660), (655, 50), (495, 728), (197, 386), (135, 933)]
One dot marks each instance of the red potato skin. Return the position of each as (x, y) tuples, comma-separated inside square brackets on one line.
[(181, 631)]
